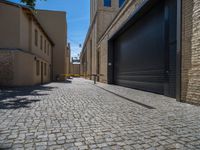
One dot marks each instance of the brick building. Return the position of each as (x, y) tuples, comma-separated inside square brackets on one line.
[(149, 45)]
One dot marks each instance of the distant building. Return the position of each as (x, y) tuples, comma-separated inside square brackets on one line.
[(150, 45), (27, 47), (75, 70), (54, 22), (75, 67)]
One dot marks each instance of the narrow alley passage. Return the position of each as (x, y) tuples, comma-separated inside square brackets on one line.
[(80, 115)]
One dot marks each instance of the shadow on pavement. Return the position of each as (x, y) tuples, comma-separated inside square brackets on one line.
[(13, 98), (66, 81)]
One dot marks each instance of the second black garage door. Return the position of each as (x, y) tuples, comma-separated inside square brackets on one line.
[(144, 55)]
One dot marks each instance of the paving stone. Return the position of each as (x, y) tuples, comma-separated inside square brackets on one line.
[(81, 115), (60, 142), (78, 143), (73, 148), (41, 147), (68, 145)]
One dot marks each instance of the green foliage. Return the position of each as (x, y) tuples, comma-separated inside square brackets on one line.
[(30, 3)]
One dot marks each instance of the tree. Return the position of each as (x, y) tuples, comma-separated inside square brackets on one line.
[(30, 3)]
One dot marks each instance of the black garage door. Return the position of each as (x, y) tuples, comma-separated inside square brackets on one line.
[(144, 54)]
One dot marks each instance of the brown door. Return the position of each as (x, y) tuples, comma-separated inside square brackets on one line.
[(42, 73)]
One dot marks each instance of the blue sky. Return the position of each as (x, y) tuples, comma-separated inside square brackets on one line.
[(78, 14)]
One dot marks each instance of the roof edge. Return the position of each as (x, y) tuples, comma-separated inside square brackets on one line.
[(32, 14)]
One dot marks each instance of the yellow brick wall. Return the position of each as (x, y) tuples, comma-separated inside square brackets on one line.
[(193, 93), (187, 12)]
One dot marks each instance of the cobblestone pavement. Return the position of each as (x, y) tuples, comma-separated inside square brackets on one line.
[(80, 115)]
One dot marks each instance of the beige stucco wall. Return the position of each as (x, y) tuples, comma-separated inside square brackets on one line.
[(94, 44), (55, 24), (9, 28), (75, 69), (6, 67), (89, 60), (83, 64), (19, 49), (68, 57), (26, 74), (36, 49), (25, 27), (14, 72), (104, 60), (23, 74)]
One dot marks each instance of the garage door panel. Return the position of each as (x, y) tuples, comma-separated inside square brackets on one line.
[(143, 51), (172, 70), (147, 86), (137, 69), (142, 78), (139, 56), (143, 72)]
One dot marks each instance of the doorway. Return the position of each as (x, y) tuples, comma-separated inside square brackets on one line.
[(142, 53)]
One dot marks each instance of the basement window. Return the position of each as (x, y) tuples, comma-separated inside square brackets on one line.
[(107, 3)]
